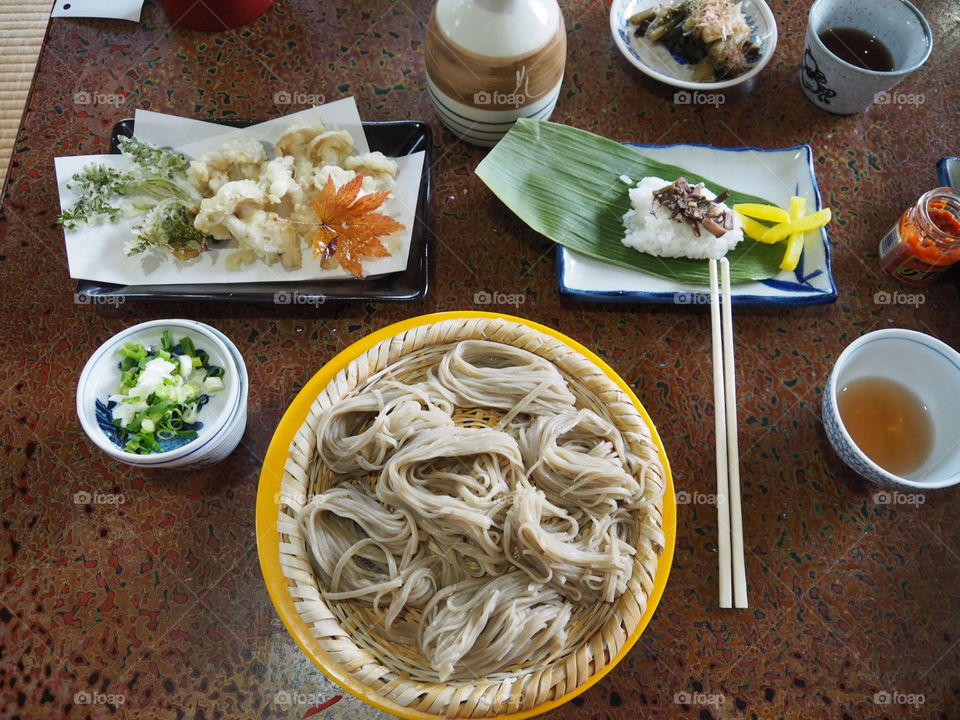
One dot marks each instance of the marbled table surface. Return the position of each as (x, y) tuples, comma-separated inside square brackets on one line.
[(154, 607)]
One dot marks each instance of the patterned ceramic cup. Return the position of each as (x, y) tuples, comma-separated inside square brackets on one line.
[(931, 369), (837, 86)]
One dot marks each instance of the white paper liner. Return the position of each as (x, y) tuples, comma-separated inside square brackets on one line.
[(98, 252)]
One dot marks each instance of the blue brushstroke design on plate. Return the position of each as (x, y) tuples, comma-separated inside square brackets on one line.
[(105, 421)]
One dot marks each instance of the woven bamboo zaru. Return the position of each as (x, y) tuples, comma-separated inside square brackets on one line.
[(352, 634)]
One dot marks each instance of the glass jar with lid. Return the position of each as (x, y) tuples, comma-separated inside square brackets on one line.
[(926, 239)]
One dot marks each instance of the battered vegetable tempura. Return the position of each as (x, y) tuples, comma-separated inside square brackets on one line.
[(264, 204)]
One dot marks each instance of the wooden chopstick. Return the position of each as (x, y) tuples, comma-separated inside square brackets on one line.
[(733, 582), (733, 444), (720, 418)]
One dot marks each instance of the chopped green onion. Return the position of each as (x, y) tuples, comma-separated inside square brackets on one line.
[(177, 391)]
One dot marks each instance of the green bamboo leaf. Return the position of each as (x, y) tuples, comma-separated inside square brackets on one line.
[(564, 183)]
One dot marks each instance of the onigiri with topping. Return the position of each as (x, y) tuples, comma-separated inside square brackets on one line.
[(676, 219)]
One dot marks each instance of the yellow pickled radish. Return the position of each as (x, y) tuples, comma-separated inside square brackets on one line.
[(759, 211), (804, 224), (791, 258), (794, 224), (798, 207), (751, 228)]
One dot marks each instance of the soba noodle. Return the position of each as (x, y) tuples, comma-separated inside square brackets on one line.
[(485, 538), (483, 374), (579, 460), (456, 481), (366, 551), (479, 626), (583, 563), (359, 433)]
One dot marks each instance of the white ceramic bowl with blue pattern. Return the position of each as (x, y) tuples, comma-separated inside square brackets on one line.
[(222, 419), (656, 61), (931, 369)]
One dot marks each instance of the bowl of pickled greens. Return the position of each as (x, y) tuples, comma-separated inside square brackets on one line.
[(700, 45), (165, 393)]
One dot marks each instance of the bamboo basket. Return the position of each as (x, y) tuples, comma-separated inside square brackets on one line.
[(396, 676)]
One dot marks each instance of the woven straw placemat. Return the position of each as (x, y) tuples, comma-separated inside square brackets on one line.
[(22, 27)]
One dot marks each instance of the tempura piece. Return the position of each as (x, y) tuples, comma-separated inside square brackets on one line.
[(318, 178), (379, 171), (237, 211), (283, 191), (330, 148), (313, 146), (239, 159)]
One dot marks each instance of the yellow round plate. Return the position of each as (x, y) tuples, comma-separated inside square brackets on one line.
[(268, 495)]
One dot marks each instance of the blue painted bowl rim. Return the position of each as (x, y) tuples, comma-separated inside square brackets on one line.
[(903, 334)]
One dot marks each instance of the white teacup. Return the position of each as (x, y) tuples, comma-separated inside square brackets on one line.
[(837, 86), (931, 369)]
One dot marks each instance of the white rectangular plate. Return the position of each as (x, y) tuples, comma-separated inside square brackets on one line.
[(775, 175), (97, 252)]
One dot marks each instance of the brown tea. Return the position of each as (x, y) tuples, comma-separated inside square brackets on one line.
[(858, 48), (888, 422)]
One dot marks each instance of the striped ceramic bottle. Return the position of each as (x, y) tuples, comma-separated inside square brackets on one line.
[(490, 62)]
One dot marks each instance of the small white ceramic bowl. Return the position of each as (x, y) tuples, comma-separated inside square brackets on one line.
[(931, 369), (223, 418), (654, 61)]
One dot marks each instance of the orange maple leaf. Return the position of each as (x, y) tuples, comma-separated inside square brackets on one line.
[(349, 227)]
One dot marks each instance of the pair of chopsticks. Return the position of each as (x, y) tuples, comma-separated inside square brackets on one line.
[(729, 521)]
